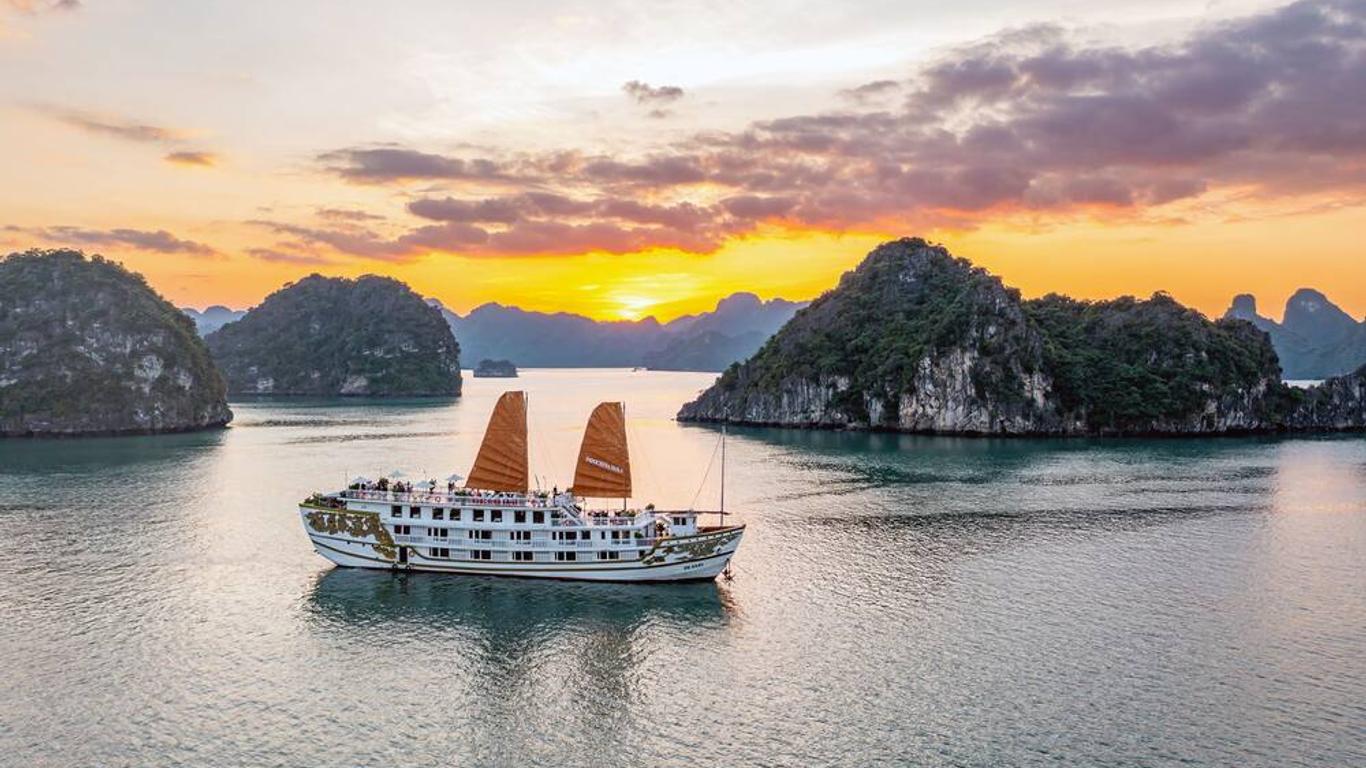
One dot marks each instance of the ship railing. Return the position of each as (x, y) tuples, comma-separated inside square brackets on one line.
[(457, 542), (596, 520), (447, 499)]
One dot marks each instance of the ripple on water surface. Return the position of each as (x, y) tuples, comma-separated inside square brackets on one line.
[(898, 600)]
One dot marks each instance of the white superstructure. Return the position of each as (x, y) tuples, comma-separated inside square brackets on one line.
[(504, 529)]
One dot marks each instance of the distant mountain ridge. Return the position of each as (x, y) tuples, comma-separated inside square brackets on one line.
[(212, 318), (707, 341), (1315, 340)]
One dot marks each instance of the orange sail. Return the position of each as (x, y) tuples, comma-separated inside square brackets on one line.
[(604, 467), (501, 464)]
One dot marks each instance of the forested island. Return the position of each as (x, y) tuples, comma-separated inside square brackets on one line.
[(495, 369), (330, 336), (88, 348), (916, 340)]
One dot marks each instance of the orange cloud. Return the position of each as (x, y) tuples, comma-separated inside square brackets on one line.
[(192, 158)]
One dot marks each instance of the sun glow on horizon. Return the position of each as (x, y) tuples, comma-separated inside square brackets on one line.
[(565, 192)]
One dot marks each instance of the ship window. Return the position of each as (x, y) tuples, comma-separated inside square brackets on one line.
[(438, 514), (401, 530), (680, 521), (608, 556), (519, 516), (396, 511), (481, 554), (497, 516), (538, 517), (585, 534), (485, 535), (456, 515), (568, 556), (478, 515), (441, 552), (521, 535), (522, 557), (440, 533), (414, 512)]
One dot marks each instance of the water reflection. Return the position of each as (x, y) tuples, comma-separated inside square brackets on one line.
[(104, 455), (506, 612)]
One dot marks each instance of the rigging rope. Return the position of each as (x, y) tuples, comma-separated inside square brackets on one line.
[(538, 447), (643, 462), (711, 463)]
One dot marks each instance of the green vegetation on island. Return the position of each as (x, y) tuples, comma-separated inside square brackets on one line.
[(914, 339), (333, 336), (495, 369), (1131, 365), (87, 347)]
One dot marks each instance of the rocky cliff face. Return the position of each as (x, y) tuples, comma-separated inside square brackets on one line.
[(1338, 403), (87, 348), (913, 339), (916, 340), (330, 336)]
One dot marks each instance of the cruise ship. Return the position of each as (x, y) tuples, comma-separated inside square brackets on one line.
[(494, 524)]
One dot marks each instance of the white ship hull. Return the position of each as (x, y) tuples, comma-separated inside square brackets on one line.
[(363, 540)]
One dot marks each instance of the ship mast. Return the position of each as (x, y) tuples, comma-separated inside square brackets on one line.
[(723, 475)]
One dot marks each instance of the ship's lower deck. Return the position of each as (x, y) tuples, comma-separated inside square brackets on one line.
[(363, 539)]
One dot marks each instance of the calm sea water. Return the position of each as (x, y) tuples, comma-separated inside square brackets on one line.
[(897, 600)]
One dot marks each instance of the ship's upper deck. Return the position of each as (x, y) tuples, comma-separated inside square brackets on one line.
[(461, 497)]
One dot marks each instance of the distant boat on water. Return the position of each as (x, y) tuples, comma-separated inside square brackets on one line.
[(494, 524)]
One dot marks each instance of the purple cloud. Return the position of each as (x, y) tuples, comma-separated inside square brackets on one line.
[(644, 93), (192, 158), (387, 164), (111, 126), (1028, 120), (158, 240), (288, 257)]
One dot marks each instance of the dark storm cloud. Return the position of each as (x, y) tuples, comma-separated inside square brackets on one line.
[(1273, 103)]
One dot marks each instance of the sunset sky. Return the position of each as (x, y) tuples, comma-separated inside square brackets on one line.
[(621, 159)]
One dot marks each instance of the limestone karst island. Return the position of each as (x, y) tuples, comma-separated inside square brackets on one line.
[(751, 384)]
